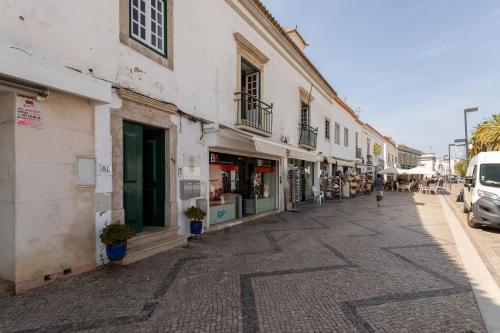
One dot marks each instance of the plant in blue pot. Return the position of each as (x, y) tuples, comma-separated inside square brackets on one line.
[(115, 237), (196, 216)]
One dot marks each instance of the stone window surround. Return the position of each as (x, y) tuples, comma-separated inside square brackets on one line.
[(125, 38), (144, 110), (249, 52)]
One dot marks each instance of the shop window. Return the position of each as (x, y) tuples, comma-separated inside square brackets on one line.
[(240, 186)]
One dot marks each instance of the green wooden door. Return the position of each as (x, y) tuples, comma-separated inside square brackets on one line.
[(154, 177), (132, 175)]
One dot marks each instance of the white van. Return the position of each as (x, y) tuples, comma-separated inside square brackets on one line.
[(482, 190)]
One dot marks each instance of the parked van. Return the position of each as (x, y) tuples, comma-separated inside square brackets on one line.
[(482, 190)]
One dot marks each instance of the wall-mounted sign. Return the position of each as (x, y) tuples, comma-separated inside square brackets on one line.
[(28, 112), (191, 167), (104, 169)]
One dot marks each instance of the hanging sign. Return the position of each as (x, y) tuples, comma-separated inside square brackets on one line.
[(28, 112)]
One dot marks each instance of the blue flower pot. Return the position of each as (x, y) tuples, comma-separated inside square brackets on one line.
[(115, 253), (196, 227)]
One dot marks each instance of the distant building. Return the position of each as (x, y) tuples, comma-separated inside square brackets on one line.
[(428, 161), (408, 157)]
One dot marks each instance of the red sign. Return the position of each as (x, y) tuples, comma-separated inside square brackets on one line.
[(28, 112)]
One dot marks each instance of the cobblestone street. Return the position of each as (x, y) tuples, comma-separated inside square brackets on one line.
[(342, 267)]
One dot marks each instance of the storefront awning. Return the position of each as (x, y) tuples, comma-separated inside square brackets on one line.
[(341, 162), (230, 139), (279, 149)]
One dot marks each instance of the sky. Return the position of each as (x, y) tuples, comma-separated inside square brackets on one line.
[(411, 67)]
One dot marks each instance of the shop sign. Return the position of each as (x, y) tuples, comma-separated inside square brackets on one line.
[(28, 112), (217, 158)]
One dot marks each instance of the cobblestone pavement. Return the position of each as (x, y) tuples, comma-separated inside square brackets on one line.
[(485, 240), (339, 267)]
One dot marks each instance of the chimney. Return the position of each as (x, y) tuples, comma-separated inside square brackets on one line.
[(296, 37)]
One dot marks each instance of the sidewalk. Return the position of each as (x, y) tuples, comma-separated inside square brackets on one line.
[(486, 240)]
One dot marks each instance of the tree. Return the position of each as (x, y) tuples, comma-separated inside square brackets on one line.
[(486, 136), (461, 168)]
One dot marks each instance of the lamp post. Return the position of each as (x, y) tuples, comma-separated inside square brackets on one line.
[(466, 134), (455, 145)]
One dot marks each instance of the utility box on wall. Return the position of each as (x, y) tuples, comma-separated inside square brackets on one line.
[(190, 189)]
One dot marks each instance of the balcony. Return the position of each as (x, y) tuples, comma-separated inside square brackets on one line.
[(358, 153), (254, 115), (308, 137), (369, 160)]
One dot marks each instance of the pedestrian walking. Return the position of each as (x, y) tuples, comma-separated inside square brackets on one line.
[(379, 188)]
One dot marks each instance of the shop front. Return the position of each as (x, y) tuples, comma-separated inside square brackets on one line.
[(300, 180), (241, 186)]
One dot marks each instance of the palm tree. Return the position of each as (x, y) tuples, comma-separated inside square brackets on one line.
[(486, 136)]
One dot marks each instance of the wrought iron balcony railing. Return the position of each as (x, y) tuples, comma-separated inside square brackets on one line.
[(308, 136), (253, 114), (358, 153)]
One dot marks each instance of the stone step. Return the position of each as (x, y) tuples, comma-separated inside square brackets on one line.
[(143, 251), (6, 287), (152, 235)]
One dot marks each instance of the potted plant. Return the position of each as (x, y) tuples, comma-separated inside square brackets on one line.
[(115, 237), (196, 216)]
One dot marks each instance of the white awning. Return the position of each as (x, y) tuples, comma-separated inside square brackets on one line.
[(341, 162), (279, 149), (420, 170), (230, 139)]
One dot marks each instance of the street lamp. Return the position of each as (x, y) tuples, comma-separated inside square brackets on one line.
[(449, 151), (466, 135)]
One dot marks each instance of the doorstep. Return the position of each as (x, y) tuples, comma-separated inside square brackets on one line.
[(6, 287), (150, 242), (245, 219)]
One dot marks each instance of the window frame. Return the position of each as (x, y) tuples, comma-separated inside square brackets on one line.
[(346, 137), (337, 133), (327, 129), (148, 24)]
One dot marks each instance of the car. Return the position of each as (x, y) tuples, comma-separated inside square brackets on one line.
[(454, 180), (482, 190)]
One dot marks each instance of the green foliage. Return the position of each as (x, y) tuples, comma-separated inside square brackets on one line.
[(115, 234), (486, 136), (194, 213), (461, 168)]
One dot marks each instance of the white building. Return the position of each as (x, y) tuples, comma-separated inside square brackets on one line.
[(429, 161), (131, 112)]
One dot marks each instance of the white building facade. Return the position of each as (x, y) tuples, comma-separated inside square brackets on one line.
[(147, 109)]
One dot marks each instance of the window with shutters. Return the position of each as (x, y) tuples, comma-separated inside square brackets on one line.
[(346, 137)]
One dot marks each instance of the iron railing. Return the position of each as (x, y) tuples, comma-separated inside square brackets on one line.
[(254, 113), (358, 153), (308, 136)]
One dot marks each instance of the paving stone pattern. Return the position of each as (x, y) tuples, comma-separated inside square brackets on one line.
[(340, 267)]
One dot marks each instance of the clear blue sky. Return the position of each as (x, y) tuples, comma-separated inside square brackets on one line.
[(411, 66)]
